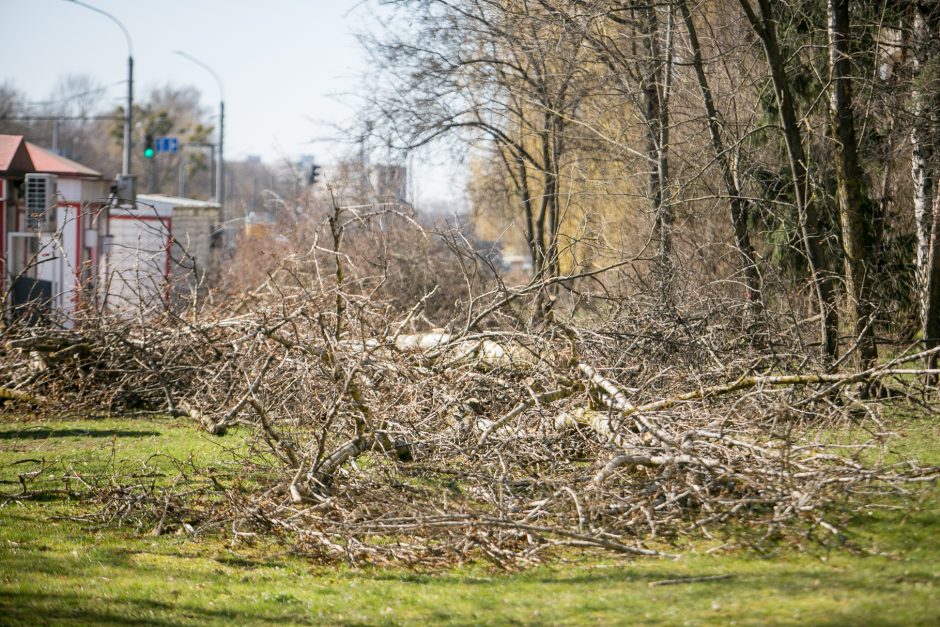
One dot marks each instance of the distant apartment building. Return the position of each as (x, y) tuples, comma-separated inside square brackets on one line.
[(389, 182), (355, 182)]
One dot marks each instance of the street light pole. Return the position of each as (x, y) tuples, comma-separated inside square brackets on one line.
[(128, 117), (220, 166), (129, 113), (220, 172)]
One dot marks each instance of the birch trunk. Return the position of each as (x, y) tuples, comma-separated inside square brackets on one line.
[(923, 171)]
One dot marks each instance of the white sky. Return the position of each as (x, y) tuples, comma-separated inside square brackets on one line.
[(289, 67)]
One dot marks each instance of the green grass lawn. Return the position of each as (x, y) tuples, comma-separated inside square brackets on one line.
[(60, 571)]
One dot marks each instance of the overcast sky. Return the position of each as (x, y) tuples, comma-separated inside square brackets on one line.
[(289, 67)]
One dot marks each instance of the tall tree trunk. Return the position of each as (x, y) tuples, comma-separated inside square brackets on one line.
[(553, 190), (855, 208), (667, 217), (656, 85), (925, 98), (737, 206), (531, 236), (549, 216), (765, 28)]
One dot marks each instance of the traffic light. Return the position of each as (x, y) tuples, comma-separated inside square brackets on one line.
[(313, 174), (148, 147)]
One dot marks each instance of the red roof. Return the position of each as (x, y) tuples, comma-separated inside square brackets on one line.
[(14, 158), (18, 156), (50, 163)]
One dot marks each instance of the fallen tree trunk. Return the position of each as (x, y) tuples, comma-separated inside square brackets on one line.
[(321, 476), (621, 407), (644, 459), (9, 394)]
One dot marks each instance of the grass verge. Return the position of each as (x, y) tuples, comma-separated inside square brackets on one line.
[(56, 570)]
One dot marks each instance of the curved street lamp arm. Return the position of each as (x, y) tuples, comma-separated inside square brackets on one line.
[(127, 35), (205, 67)]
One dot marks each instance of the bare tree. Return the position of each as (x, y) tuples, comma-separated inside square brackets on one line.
[(856, 209), (925, 99), (737, 205), (763, 23), (507, 73)]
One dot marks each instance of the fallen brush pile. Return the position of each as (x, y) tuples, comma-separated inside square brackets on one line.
[(375, 444), (613, 426)]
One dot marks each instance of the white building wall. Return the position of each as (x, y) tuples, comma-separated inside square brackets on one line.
[(68, 229), (137, 266), (74, 247), (191, 254)]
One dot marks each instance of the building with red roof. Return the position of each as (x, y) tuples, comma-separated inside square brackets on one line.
[(59, 256)]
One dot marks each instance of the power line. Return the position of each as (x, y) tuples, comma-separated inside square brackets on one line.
[(68, 97), (38, 118)]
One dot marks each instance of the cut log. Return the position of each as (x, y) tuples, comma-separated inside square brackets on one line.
[(636, 458), (322, 475), (9, 394)]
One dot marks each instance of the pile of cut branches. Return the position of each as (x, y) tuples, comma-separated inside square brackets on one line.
[(492, 437)]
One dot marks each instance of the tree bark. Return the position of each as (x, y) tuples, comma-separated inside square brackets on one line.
[(924, 133), (855, 208), (737, 206), (655, 86), (765, 28)]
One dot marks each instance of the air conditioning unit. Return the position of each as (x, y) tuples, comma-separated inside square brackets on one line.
[(41, 202)]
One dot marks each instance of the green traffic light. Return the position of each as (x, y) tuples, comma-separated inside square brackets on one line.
[(148, 153)]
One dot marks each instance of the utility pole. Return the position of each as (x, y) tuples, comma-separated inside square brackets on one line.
[(364, 161), (219, 195), (129, 112), (55, 137), (220, 170), (129, 115), (182, 175)]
